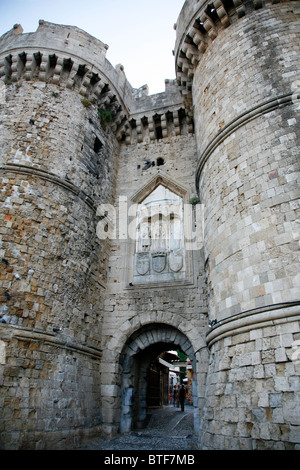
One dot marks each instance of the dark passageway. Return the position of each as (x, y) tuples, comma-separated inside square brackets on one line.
[(139, 365)]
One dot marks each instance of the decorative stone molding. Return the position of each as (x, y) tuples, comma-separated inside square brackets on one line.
[(241, 120), (160, 179), (198, 25), (71, 72), (52, 178), (53, 339), (258, 318), (153, 126)]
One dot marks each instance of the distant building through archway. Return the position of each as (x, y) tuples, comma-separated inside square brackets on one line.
[(141, 349)]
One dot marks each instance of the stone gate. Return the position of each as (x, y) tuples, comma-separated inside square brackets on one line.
[(132, 224)]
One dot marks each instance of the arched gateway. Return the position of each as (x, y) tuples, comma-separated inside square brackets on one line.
[(140, 350), (209, 238)]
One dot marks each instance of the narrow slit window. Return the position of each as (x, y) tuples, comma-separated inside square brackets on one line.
[(7, 66), (97, 145), (158, 131)]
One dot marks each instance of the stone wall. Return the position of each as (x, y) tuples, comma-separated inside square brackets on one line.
[(79, 150), (68, 147), (129, 310), (241, 70), (253, 206), (58, 162), (252, 397)]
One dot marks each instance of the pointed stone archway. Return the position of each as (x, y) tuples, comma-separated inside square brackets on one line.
[(140, 349)]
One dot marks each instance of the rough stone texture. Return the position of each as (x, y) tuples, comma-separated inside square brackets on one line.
[(180, 305), (253, 206), (79, 148), (253, 390), (53, 268), (246, 125)]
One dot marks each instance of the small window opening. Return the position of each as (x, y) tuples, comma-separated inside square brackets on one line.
[(199, 25), (211, 12), (144, 121), (97, 145), (158, 132), (23, 58), (21, 63), (52, 61), (7, 66), (182, 120), (169, 117), (158, 127), (105, 89), (160, 161), (133, 124)]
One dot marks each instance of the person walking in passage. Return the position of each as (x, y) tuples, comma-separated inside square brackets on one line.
[(175, 396), (182, 397)]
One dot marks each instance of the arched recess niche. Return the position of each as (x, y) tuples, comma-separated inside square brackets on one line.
[(140, 349)]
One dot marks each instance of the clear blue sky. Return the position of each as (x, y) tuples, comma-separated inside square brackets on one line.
[(139, 33)]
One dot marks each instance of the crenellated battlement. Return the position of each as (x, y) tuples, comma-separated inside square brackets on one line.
[(198, 25), (133, 224), (56, 37), (155, 117), (69, 57)]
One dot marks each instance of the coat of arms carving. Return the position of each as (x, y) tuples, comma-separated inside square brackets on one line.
[(142, 263), (176, 261), (158, 261)]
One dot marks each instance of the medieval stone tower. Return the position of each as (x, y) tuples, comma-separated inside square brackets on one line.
[(135, 224)]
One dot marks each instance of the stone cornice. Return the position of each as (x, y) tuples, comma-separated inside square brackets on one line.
[(88, 89), (47, 337), (159, 179), (102, 88), (51, 177), (253, 319), (253, 113)]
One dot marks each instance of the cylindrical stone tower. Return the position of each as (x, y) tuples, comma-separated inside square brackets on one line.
[(238, 64), (57, 164)]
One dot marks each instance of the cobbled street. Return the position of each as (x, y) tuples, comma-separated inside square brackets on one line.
[(168, 429)]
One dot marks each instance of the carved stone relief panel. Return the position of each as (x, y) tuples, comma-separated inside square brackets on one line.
[(160, 254)]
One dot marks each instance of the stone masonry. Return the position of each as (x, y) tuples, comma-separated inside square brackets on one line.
[(97, 181)]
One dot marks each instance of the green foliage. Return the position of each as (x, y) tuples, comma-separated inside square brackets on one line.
[(181, 355), (194, 201), (7, 80), (86, 103), (105, 117), (182, 358)]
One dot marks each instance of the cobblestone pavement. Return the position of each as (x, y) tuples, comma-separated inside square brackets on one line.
[(168, 429)]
